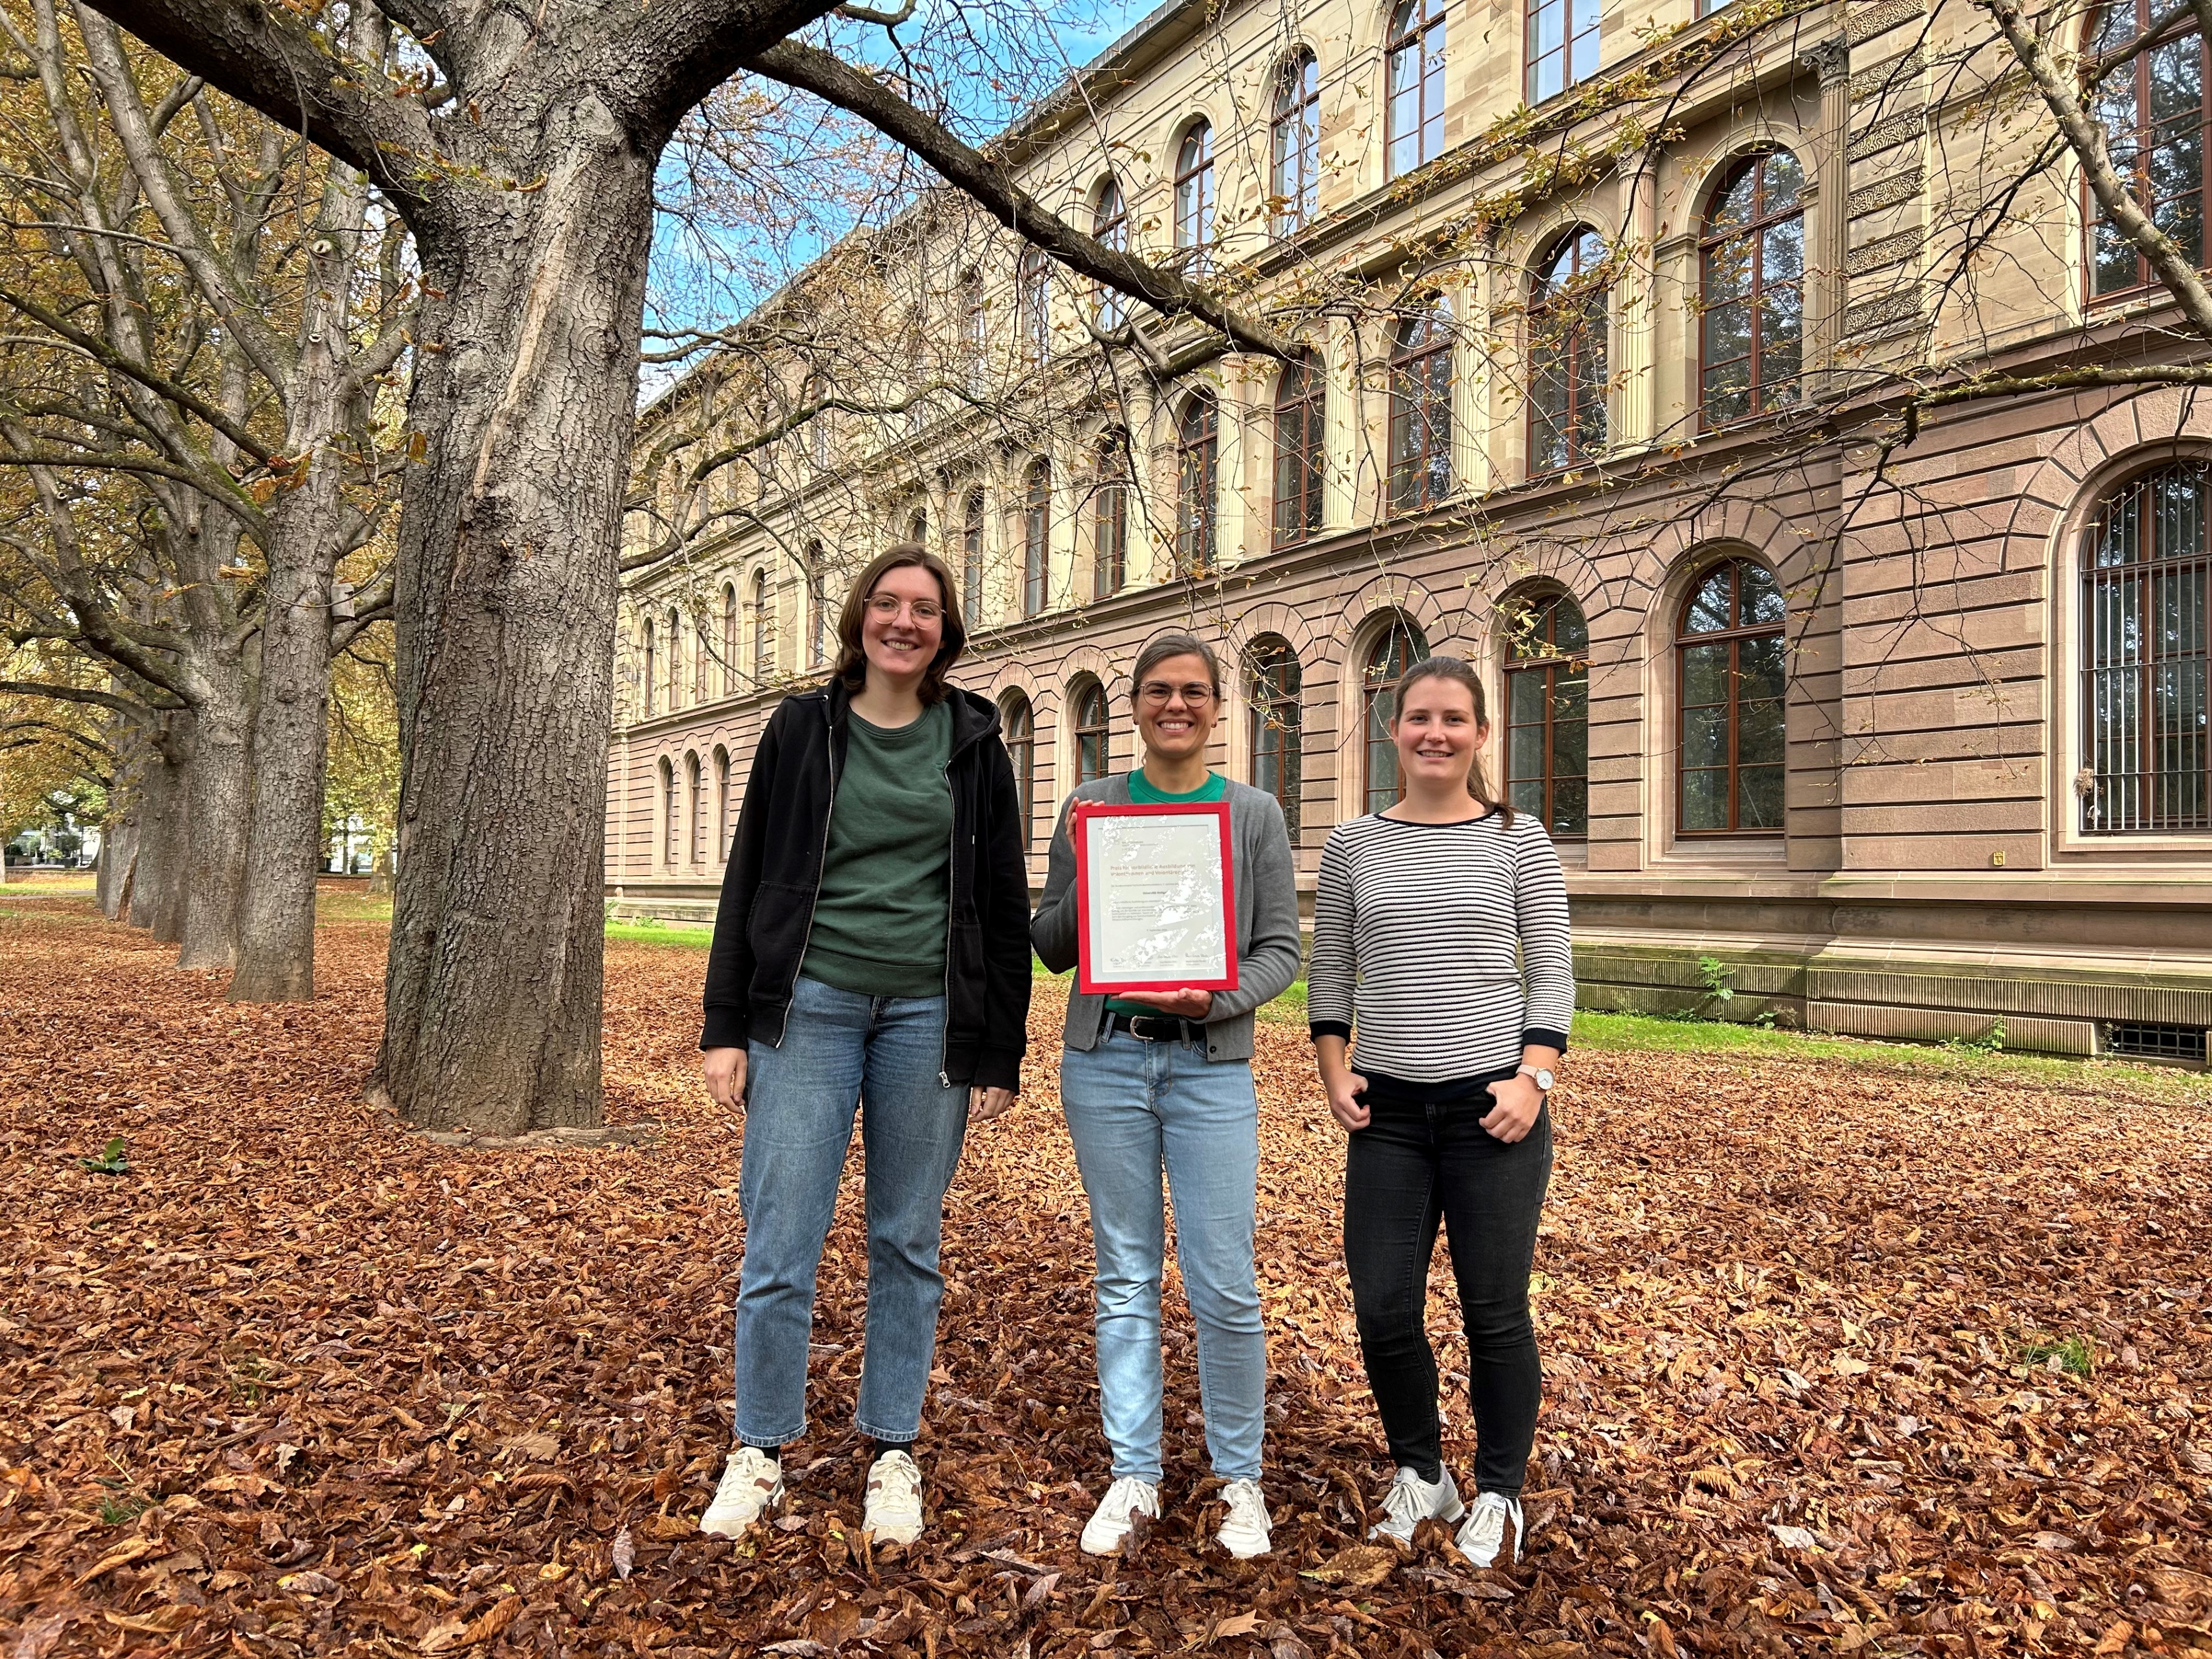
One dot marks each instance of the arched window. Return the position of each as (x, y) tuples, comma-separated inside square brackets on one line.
[(1730, 687), (763, 651), (971, 559), (1193, 194), (1397, 648), (1548, 714), (1198, 447), (1020, 727), (1033, 303), (1299, 450), (1037, 535), (917, 526), (818, 439), (974, 327), (1271, 684), (1109, 225), (701, 660), (1420, 410), (722, 805), (1294, 146), (2155, 116), (729, 639), (1417, 85), (695, 807), (817, 608), (1566, 354), (676, 661), (2145, 703), (1090, 703), (651, 664), (671, 812), (1110, 517), (1562, 46), (1752, 298)]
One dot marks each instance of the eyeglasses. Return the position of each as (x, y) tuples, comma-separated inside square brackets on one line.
[(886, 606), (1155, 694)]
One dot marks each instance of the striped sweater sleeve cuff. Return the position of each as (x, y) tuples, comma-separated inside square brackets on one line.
[(1318, 1028), (1537, 1037)]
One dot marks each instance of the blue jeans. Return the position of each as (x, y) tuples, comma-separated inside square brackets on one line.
[(1134, 1108), (839, 1049)]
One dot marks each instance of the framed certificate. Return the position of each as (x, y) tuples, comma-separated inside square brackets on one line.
[(1155, 899)]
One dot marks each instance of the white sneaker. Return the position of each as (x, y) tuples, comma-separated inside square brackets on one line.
[(1110, 1524), (894, 1505), (1412, 1500), (1484, 1537), (1244, 1529), (752, 1483)]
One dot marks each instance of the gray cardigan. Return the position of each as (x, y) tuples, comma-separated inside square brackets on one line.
[(1266, 919)]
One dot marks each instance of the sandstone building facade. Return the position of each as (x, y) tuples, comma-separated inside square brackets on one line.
[(1892, 720)]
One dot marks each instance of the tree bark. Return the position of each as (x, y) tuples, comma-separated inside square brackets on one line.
[(215, 857), (157, 903), (525, 393)]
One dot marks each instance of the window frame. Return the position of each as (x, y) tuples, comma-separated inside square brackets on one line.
[(695, 808), (1547, 301), (1086, 697), (670, 826), (762, 646), (971, 558), (1753, 231), (1734, 637), (1294, 173), (1109, 228), (729, 684), (1017, 722), (1411, 24), (1548, 666), (1272, 703), (2139, 128), (675, 660), (651, 666), (1301, 397), (1198, 484), (1109, 518), (1033, 304), (1195, 202), (1421, 342), (1036, 536), (1572, 72), (721, 763), (1378, 700)]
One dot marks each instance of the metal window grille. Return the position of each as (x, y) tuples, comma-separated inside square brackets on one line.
[(2139, 1040), (2147, 706)]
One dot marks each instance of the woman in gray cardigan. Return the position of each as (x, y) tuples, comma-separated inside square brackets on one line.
[(1164, 1081)]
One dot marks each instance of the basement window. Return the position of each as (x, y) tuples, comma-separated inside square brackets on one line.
[(2175, 1044)]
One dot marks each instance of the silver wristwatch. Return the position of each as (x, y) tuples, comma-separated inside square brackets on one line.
[(1542, 1075)]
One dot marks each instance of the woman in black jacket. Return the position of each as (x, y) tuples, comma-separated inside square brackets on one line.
[(872, 945)]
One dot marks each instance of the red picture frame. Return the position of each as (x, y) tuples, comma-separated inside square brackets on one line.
[(1079, 822)]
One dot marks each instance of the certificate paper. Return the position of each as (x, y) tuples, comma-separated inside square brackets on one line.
[(1154, 898)]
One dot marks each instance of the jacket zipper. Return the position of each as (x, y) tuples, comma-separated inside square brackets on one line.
[(821, 860), (951, 858)]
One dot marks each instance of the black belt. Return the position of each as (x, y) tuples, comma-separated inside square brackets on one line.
[(1159, 1028)]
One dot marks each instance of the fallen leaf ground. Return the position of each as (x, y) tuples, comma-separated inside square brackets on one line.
[(298, 1382)]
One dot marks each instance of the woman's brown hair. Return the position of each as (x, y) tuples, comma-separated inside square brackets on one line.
[(853, 661), (1459, 672), (1161, 647)]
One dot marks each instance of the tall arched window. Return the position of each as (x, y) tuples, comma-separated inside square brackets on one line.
[(1299, 450), (702, 661), (1420, 410), (1417, 85), (764, 649), (729, 639), (1752, 298), (971, 559), (1548, 714), (1562, 47), (1729, 690), (1110, 517), (1397, 648), (1193, 194), (1019, 725), (1294, 146), (651, 664), (1198, 447), (1033, 303), (695, 807), (974, 328), (817, 607), (2146, 681), (2156, 120), (1109, 225), (671, 812), (917, 526), (1037, 535), (722, 805), (1566, 354), (675, 660), (1090, 703), (1271, 684)]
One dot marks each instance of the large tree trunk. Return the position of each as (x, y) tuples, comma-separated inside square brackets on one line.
[(119, 839), (526, 393), (164, 833), (214, 861)]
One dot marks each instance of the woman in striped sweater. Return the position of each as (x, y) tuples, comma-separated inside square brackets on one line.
[(1440, 939)]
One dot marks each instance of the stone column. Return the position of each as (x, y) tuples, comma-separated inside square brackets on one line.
[(1635, 321), (1830, 190)]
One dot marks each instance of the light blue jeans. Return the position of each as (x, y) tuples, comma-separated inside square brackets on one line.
[(1135, 1107), (841, 1048)]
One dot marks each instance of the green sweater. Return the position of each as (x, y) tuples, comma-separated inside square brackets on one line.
[(879, 918)]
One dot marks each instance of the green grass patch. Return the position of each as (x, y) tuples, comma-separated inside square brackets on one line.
[(2073, 1354), (648, 930)]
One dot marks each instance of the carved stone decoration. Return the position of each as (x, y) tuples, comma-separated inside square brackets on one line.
[(1829, 59)]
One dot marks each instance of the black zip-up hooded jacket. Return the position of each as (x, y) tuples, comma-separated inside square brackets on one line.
[(775, 872)]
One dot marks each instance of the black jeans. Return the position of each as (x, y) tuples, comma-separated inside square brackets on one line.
[(1424, 1157)]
